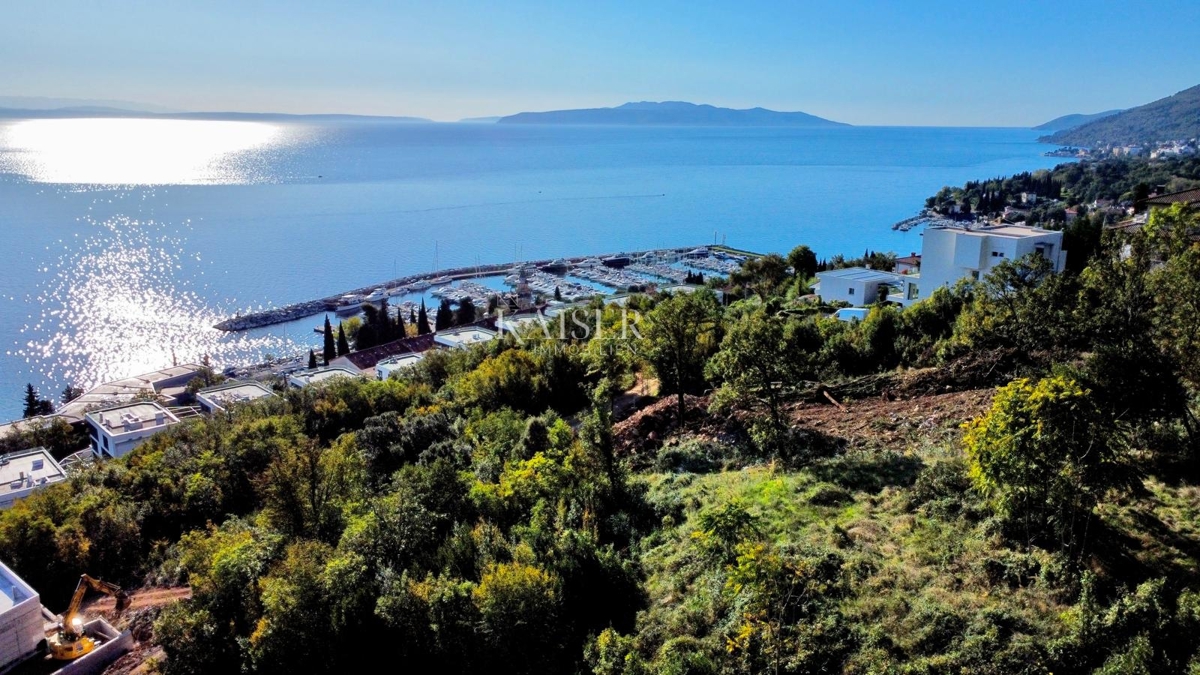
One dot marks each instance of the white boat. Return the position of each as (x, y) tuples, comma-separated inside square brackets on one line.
[(375, 296), (349, 304), (420, 285), (438, 281)]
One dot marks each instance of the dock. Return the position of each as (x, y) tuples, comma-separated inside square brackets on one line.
[(309, 308)]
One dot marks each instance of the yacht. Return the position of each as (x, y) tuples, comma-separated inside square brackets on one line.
[(348, 304), (420, 285)]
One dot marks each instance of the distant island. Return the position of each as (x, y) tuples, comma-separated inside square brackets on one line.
[(105, 111), (1172, 118), (672, 113), (1071, 121)]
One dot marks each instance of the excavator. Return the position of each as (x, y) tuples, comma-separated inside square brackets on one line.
[(70, 642)]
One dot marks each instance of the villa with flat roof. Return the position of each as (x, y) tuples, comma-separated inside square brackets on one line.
[(385, 368), (305, 378), (861, 286), (464, 336), (952, 253), (23, 472), (118, 430), (21, 619), (221, 397)]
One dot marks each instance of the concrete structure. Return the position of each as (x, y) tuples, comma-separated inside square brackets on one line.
[(952, 253), (464, 336), (221, 397), (118, 430), (23, 472), (395, 364), (111, 644), (860, 286), (305, 378), (22, 627)]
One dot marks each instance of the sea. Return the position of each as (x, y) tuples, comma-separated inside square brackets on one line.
[(124, 240)]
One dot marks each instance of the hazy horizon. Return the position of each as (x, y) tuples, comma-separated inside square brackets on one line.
[(932, 64)]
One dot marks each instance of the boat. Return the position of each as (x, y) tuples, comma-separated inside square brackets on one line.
[(375, 296), (349, 304), (420, 285), (556, 265), (438, 281)]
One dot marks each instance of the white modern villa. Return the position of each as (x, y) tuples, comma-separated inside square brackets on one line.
[(117, 430), (947, 255)]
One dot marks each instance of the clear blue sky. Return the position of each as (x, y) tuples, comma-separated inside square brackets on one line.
[(903, 62)]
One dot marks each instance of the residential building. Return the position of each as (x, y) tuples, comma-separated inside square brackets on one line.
[(118, 430), (952, 253), (364, 361), (323, 375), (223, 396), (22, 627), (1188, 197), (860, 286), (909, 264), (464, 336), (395, 364), (23, 472)]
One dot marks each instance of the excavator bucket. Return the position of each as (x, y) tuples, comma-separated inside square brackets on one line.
[(123, 602)]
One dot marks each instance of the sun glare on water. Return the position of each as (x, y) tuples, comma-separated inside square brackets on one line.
[(134, 151)]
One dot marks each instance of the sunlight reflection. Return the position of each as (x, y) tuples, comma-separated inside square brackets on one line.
[(133, 151)]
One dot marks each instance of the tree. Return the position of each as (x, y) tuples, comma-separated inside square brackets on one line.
[(682, 332), (445, 316), (1044, 454), (466, 312), (399, 329), (35, 405), (423, 320), (312, 359), (343, 346), (558, 293), (803, 261), (70, 394), (330, 348)]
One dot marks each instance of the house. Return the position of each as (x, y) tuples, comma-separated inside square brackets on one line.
[(1188, 197), (305, 378), (118, 430), (223, 396), (364, 361), (22, 621), (909, 264), (24, 472), (952, 253), (395, 364), (464, 336), (860, 286)]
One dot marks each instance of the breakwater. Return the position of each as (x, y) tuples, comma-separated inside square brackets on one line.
[(301, 310)]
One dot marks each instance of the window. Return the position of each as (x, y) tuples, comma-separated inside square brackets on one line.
[(912, 291), (38, 465), (997, 254), (975, 275), (851, 292)]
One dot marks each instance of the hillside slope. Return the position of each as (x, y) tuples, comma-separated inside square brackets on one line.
[(1171, 118), (1066, 122)]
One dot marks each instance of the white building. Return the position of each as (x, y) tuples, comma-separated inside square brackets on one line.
[(221, 397), (23, 472), (116, 431), (305, 378), (385, 368), (951, 253), (860, 286), (464, 337), (21, 619)]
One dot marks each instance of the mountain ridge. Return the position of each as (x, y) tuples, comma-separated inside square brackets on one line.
[(1065, 122), (1174, 117), (671, 113)]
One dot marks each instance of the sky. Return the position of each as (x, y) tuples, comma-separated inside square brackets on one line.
[(964, 63)]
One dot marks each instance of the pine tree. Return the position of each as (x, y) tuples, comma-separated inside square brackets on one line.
[(330, 348), (33, 404), (343, 347), (445, 316), (312, 359), (558, 293), (423, 320)]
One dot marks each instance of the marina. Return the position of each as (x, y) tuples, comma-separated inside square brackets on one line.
[(616, 272)]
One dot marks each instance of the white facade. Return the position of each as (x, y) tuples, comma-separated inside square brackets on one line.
[(23, 472), (860, 286), (950, 253), (21, 620), (117, 431), (221, 397)]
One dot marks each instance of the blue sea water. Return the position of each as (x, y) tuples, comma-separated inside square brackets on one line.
[(123, 244)]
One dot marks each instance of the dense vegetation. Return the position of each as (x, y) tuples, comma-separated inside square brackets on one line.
[(1172, 118), (480, 513)]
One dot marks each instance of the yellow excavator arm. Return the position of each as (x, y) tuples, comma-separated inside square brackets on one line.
[(70, 642)]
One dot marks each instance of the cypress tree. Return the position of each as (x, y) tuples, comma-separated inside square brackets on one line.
[(312, 359), (343, 347), (330, 349), (558, 293), (423, 320), (401, 331), (466, 312), (445, 316)]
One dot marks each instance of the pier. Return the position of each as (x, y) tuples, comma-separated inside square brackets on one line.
[(301, 310)]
